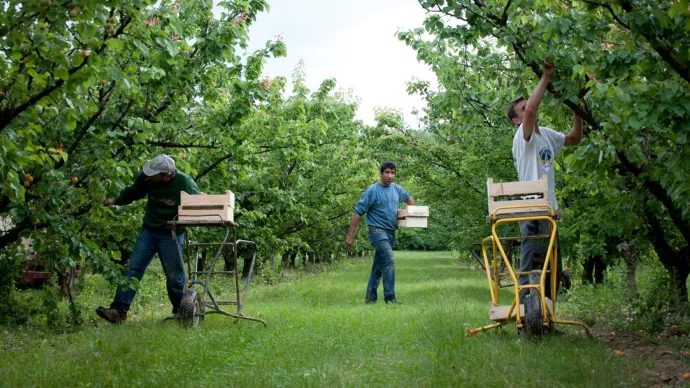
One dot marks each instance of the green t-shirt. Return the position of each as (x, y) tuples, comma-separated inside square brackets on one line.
[(163, 198)]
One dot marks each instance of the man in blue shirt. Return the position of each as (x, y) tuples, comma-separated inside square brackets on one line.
[(380, 201)]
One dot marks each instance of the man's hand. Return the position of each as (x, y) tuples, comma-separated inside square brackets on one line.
[(349, 240), (352, 231), (108, 201), (549, 69)]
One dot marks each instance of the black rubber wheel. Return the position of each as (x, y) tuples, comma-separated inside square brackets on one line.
[(534, 317), (190, 309)]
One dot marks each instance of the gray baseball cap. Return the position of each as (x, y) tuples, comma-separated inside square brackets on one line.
[(160, 164)]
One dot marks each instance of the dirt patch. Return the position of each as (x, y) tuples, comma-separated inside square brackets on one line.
[(663, 360)]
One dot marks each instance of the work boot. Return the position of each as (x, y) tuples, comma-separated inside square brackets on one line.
[(111, 315), (369, 301), (393, 301)]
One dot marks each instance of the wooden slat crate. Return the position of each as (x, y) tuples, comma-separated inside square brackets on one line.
[(503, 194), (207, 207), (413, 217), (414, 211), (499, 313)]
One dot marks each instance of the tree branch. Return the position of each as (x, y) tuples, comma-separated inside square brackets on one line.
[(166, 144), (661, 195), (215, 164), (8, 114), (88, 123), (664, 50), (460, 176), (12, 235), (504, 18), (610, 9)]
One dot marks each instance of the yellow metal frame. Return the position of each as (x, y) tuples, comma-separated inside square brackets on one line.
[(550, 262)]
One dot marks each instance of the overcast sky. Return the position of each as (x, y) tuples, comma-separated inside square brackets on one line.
[(352, 41)]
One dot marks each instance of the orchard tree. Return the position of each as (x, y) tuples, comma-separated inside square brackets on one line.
[(623, 67), (89, 91), (291, 165)]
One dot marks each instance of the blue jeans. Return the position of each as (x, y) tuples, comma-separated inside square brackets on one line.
[(384, 264), (148, 244), (533, 252)]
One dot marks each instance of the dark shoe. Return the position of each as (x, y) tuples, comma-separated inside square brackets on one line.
[(369, 301), (111, 315), (393, 301), (551, 330)]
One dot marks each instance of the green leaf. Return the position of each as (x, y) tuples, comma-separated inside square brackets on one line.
[(61, 74), (71, 123), (141, 46), (115, 44), (139, 137)]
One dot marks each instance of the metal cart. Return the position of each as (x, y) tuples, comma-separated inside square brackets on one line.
[(536, 313), (197, 298)]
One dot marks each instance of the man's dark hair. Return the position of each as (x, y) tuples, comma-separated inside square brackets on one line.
[(511, 113), (385, 165)]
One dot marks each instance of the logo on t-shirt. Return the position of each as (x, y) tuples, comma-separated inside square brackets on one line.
[(545, 157), (165, 201)]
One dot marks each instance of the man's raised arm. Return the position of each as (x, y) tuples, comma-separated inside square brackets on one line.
[(575, 135), (530, 119)]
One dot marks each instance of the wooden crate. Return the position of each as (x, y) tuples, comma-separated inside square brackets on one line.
[(206, 207), (499, 313), (413, 217), (413, 211), (504, 193), (413, 222)]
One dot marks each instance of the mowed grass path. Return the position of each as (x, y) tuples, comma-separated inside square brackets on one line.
[(320, 333)]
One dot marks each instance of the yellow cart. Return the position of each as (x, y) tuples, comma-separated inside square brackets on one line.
[(537, 314)]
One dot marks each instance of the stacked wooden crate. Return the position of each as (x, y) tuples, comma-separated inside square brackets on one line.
[(518, 199), (413, 217), (207, 207)]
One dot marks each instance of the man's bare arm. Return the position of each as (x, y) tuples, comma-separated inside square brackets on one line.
[(353, 228), (530, 119), (575, 135), (410, 201)]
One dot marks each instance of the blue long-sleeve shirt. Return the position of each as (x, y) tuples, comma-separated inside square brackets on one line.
[(381, 204)]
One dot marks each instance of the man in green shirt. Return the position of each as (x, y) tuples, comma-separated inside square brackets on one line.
[(162, 183)]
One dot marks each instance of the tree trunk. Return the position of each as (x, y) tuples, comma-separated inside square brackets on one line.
[(588, 270), (201, 264), (677, 263), (247, 266), (594, 268), (632, 283), (629, 251), (678, 271), (66, 281), (599, 270), (228, 260)]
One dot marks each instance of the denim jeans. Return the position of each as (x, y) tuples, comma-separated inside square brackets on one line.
[(384, 264), (533, 252), (148, 244)]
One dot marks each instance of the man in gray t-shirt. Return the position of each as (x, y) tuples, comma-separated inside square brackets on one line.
[(380, 201), (534, 151)]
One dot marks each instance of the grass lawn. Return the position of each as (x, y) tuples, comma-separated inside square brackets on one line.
[(320, 333)]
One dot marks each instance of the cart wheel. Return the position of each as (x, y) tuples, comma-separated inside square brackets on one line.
[(190, 308), (534, 317)]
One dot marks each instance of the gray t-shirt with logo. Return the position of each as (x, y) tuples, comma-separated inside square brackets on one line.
[(535, 158)]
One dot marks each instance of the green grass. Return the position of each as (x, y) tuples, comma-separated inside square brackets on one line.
[(320, 333)]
